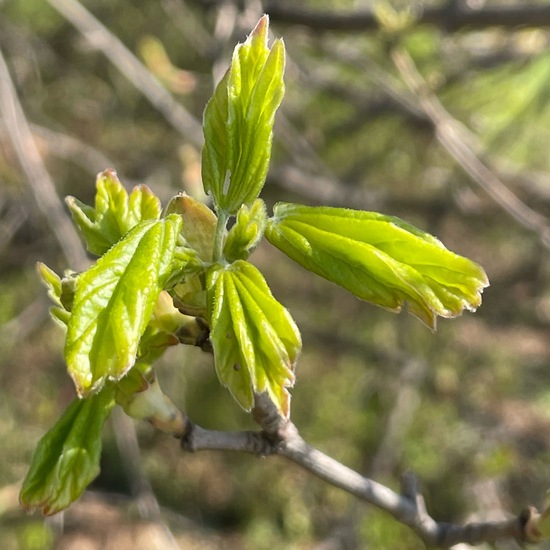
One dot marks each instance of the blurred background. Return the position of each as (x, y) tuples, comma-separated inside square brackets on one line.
[(442, 117)]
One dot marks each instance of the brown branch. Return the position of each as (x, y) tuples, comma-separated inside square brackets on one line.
[(452, 17), (283, 439)]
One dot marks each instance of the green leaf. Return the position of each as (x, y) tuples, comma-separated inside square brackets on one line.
[(67, 457), (114, 301), (53, 283), (254, 338), (247, 231), (115, 212), (60, 292), (238, 122), (381, 259)]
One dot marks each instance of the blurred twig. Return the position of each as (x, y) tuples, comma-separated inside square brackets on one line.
[(226, 21), (454, 139), (189, 25), (323, 189), (40, 182), (102, 39), (13, 217), (405, 403), (148, 506), (72, 149)]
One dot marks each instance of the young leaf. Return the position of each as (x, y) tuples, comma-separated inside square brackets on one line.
[(115, 212), (238, 122), (247, 231), (381, 259), (67, 457), (114, 301), (54, 284), (199, 224), (254, 338)]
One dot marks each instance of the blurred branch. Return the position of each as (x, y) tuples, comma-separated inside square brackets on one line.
[(40, 182), (226, 21), (282, 438), (451, 134), (452, 17), (190, 26), (13, 216), (147, 503), (72, 149), (102, 39), (323, 189), (407, 103), (406, 400)]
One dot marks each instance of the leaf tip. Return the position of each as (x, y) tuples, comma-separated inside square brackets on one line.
[(108, 173), (261, 28)]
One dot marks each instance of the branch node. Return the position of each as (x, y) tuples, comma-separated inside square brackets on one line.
[(187, 441), (410, 489), (262, 443), (529, 519)]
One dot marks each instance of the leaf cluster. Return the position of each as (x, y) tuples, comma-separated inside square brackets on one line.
[(182, 276)]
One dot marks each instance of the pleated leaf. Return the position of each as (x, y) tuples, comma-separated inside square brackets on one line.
[(54, 284), (114, 301), (378, 258), (255, 340), (247, 232), (67, 457), (238, 121), (114, 214)]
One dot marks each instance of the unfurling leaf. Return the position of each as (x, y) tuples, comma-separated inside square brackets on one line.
[(238, 122), (381, 259), (59, 312), (114, 301), (247, 231), (255, 340), (115, 212), (199, 224), (67, 457)]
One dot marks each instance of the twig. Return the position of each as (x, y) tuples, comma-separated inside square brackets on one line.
[(40, 182), (102, 39), (407, 508)]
